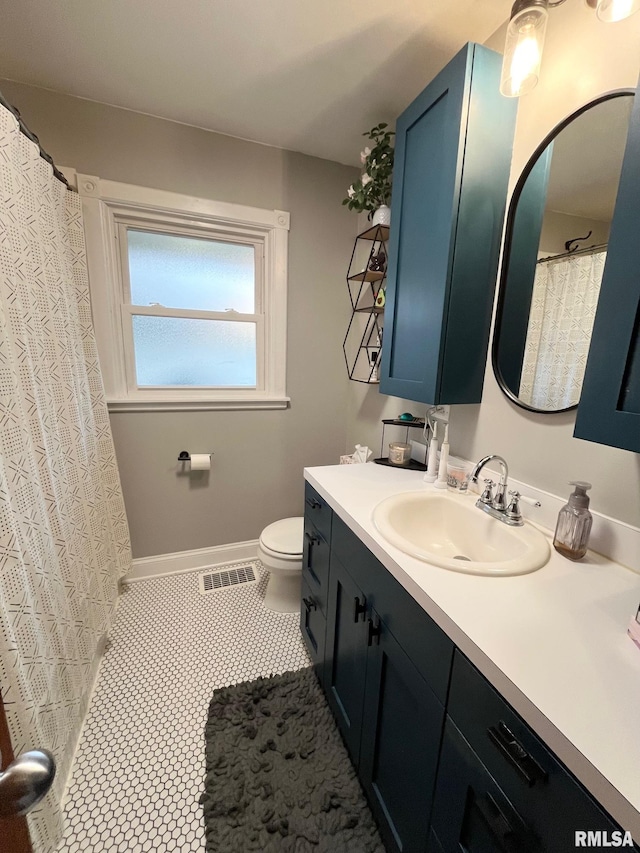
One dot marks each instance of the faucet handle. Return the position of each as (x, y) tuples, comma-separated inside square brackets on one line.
[(487, 496), (513, 510)]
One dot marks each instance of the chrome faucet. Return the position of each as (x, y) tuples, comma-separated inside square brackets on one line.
[(496, 504)]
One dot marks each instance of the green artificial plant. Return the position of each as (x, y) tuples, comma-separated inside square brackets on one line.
[(373, 188)]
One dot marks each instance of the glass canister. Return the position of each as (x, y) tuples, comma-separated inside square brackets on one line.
[(457, 475), (399, 453)]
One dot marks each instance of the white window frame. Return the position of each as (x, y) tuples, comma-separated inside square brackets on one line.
[(110, 207)]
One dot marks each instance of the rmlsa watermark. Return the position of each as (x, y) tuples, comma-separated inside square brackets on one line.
[(600, 838)]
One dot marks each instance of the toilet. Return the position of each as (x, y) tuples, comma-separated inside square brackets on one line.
[(280, 551)]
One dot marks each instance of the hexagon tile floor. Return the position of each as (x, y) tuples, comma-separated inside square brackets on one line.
[(139, 768)]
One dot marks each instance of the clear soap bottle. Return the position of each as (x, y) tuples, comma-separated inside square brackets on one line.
[(574, 524)]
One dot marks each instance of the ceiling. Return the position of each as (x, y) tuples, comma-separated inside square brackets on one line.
[(587, 160), (307, 76)]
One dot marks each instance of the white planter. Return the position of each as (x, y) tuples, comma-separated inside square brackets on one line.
[(382, 216)]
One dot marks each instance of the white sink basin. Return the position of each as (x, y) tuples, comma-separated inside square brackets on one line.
[(452, 533)]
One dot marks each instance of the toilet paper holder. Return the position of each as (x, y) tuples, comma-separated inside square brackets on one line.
[(185, 456)]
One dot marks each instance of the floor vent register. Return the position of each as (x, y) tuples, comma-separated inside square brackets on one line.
[(220, 580)]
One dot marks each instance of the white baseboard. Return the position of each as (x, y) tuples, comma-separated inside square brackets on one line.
[(163, 565)]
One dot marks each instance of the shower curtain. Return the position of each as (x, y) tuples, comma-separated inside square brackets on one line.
[(64, 540), (563, 308)]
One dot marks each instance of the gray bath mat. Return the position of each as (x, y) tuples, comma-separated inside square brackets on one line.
[(278, 776)]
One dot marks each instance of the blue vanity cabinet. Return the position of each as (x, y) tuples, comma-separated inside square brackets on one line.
[(609, 408), (446, 763), (451, 171)]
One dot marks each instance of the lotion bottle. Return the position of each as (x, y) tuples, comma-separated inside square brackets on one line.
[(574, 524)]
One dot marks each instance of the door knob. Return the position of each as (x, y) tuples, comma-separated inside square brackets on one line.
[(26, 781)]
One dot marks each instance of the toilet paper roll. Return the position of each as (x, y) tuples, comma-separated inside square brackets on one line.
[(200, 461)]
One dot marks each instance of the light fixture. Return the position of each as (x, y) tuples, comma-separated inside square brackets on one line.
[(525, 38), (611, 11), (523, 47)]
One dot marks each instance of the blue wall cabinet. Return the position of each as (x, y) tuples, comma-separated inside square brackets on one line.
[(451, 171), (609, 408)]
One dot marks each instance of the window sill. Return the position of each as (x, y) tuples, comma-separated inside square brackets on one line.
[(198, 405)]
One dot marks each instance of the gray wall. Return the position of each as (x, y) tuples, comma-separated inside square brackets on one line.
[(582, 59), (256, 475)]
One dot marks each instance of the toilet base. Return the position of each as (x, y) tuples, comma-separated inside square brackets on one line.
[(283, 591)]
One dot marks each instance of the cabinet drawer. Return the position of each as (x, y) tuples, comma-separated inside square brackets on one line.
[(471, 812), (549, 799), (428, 647), (315, 563), (313, 627), (318, 511)]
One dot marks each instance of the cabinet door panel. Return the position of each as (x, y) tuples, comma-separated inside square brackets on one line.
[(425, 169), (609, 408), (451, 171), (401, 733), (346, 656)]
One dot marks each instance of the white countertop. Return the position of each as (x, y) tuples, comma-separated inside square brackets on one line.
[(552, 642)]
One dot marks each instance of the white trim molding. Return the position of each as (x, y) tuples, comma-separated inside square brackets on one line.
[(164, 565), (108, 206)]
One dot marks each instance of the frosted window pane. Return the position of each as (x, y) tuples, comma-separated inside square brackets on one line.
[(187, 272), (181, 351)]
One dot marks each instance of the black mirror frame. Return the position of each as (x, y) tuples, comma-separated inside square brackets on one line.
[(508, 234)]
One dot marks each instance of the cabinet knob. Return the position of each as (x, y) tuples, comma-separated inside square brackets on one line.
[(374, 632), (359, 608), (313, 503), (309, 604)]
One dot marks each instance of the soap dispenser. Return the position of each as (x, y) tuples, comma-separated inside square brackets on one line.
[(574, 524)]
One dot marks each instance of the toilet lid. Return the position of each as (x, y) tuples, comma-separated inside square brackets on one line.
[(285, 536)]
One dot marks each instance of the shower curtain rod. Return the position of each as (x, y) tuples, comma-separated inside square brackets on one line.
[(589, 250), (25, 130)]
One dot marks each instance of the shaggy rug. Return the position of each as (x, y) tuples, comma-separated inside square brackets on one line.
[(279, 779)]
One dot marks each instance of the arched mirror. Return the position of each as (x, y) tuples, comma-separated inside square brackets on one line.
[(554, 255)]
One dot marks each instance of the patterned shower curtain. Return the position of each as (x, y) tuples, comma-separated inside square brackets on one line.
[(64, 540), (563, 308)]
